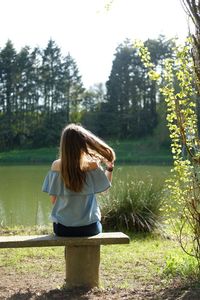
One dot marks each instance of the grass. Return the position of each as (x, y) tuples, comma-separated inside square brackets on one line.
[(143, 151), (29, 156), (149, 262), (127, 152)]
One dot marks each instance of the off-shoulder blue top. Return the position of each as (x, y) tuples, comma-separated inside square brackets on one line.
[(72, 208)]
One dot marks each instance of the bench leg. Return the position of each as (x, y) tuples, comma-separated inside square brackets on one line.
[(82, 265)]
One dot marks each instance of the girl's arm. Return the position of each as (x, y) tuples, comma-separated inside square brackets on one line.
[(55, 167)]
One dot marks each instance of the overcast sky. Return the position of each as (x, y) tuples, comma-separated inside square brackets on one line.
[(86, 30)]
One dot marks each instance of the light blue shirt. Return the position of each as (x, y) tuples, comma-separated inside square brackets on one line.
[(76, 208)]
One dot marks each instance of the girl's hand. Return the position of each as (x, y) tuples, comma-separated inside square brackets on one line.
[(109, 165), (109, 169)]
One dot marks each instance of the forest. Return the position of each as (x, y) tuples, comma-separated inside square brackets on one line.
[(41, 90)]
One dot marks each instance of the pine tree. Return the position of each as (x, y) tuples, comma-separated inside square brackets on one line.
[(7, 95)]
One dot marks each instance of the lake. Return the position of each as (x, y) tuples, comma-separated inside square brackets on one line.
[(23, 203)]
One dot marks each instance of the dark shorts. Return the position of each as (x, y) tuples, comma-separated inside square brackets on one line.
[(88, 230)]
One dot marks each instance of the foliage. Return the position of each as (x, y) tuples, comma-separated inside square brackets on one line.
[(183, 189), (132, 205), (131, 104), (40, 92), (192, 8), (148, 265)]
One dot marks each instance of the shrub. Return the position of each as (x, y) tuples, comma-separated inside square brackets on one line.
[(132, 206)]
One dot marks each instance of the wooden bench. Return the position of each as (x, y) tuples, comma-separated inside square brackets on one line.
[(82, 254)]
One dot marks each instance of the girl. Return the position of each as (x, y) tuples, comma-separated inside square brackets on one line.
[(75, 178)]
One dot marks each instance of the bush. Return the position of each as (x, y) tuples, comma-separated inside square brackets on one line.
[(132, 206)]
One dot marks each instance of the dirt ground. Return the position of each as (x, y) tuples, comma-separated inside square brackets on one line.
[(31, 286)]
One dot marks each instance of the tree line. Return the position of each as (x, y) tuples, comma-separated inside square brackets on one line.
[(41, 91)]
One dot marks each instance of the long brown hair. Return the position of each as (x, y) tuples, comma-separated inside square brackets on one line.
[(74, 143)]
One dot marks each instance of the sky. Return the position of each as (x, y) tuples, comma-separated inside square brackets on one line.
[(86, 30)]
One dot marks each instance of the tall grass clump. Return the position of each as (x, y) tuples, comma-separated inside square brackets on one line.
[(132, 205)]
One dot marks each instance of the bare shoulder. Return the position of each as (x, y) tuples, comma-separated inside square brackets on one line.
[(56, 165), (88, 164), (91, 165)]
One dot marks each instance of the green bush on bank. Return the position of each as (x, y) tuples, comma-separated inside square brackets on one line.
[(133, 206)]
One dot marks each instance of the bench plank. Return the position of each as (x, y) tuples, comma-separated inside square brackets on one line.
[(105, 238)]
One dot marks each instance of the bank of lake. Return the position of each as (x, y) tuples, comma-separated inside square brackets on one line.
[(127, 152)]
